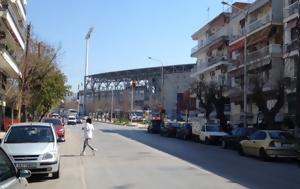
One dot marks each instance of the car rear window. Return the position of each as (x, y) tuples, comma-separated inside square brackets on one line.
[(30, 134), (55, 122), (281, 135)]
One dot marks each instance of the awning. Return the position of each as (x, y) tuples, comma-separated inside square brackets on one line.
[(237, 46), (292, 23), (262, 35), (216, 45)]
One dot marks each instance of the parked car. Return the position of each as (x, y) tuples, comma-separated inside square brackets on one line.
[(71, 120), (169, 129), (185, 131), (58, 126), (270, 143), (211, 133), (154, 126), (10, 177), (235, 136), (79, 120), (33, 146)]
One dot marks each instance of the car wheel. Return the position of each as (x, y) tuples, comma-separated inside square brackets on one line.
[(263, 155), (55, 175), (240, 150), (224, 145)]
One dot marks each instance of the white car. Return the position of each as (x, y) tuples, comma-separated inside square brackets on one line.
[(211, 133), (33, 146), (72, 120)]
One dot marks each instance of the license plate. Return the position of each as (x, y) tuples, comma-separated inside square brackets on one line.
[(25, 165)]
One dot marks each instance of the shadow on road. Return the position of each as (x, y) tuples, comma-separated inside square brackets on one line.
[(38, 178), (247, 171)]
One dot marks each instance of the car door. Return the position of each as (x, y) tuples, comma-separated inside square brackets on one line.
[(8, 174), (256, 142), (202, 132)]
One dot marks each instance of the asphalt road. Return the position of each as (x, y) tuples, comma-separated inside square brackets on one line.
[(130, 158)]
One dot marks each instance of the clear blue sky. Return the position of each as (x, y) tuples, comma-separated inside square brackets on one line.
[(126, 31)]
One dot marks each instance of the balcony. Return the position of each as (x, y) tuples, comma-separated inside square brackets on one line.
[(8, 64), (12, 23), (241, 33), (288, 48), (291, 9), (273, 50), (258, 23), (210, 39), (21, 8), (213, 60)]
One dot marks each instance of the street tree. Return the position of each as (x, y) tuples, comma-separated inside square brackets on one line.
[(43, 85), (260, 98)]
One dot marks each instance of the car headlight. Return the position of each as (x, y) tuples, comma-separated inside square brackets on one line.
[(49, 155)]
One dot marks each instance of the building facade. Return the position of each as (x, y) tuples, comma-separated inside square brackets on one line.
[(12, 45), (261, 29)]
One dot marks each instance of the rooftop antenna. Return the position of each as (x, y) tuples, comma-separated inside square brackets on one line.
[(208, 9)]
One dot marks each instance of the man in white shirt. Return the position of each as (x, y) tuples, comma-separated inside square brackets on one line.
[(88, 135)]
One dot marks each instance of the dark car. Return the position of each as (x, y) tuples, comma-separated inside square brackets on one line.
[(235, 136), (184, 132), (154, 126), (58, 126), (169, 129)]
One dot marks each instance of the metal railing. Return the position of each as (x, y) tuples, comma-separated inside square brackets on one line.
[(287, 48), (264, 52), (258, 23), (291, 9), (221, 33), (214, 60), (7, 7)]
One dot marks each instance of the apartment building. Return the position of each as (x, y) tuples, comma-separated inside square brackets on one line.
[(212, 51), (12, 46), (260, 24), (291, 14)]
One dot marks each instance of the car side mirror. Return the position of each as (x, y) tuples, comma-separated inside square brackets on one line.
[(24, 173)]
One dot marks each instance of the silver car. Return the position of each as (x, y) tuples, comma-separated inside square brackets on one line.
[(10, 177), (33, 146)]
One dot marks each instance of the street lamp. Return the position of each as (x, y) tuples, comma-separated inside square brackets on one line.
[(87, 39), (162, 80), (246, 13)]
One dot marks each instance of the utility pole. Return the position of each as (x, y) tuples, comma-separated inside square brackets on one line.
[(297, 65), (24, 77)]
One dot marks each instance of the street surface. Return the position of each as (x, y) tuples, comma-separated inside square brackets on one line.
[(130, 158)]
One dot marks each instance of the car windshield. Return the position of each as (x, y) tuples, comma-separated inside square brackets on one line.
[(139, 113), (213, 128), (30, 134), (71, 118), (55, 122), (281, 135)]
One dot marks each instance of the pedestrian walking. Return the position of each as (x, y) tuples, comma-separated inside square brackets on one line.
[(88, 135)]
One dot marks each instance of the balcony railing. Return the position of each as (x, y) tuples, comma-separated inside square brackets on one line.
[(291, 9), (290, 47), (258, 23), (214, 60), (271, 50), (209, 40), (12, 19)]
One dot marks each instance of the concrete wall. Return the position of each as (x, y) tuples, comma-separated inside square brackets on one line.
[(173, 84)]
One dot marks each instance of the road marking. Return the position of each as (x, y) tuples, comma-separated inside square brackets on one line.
[(82, 175)]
